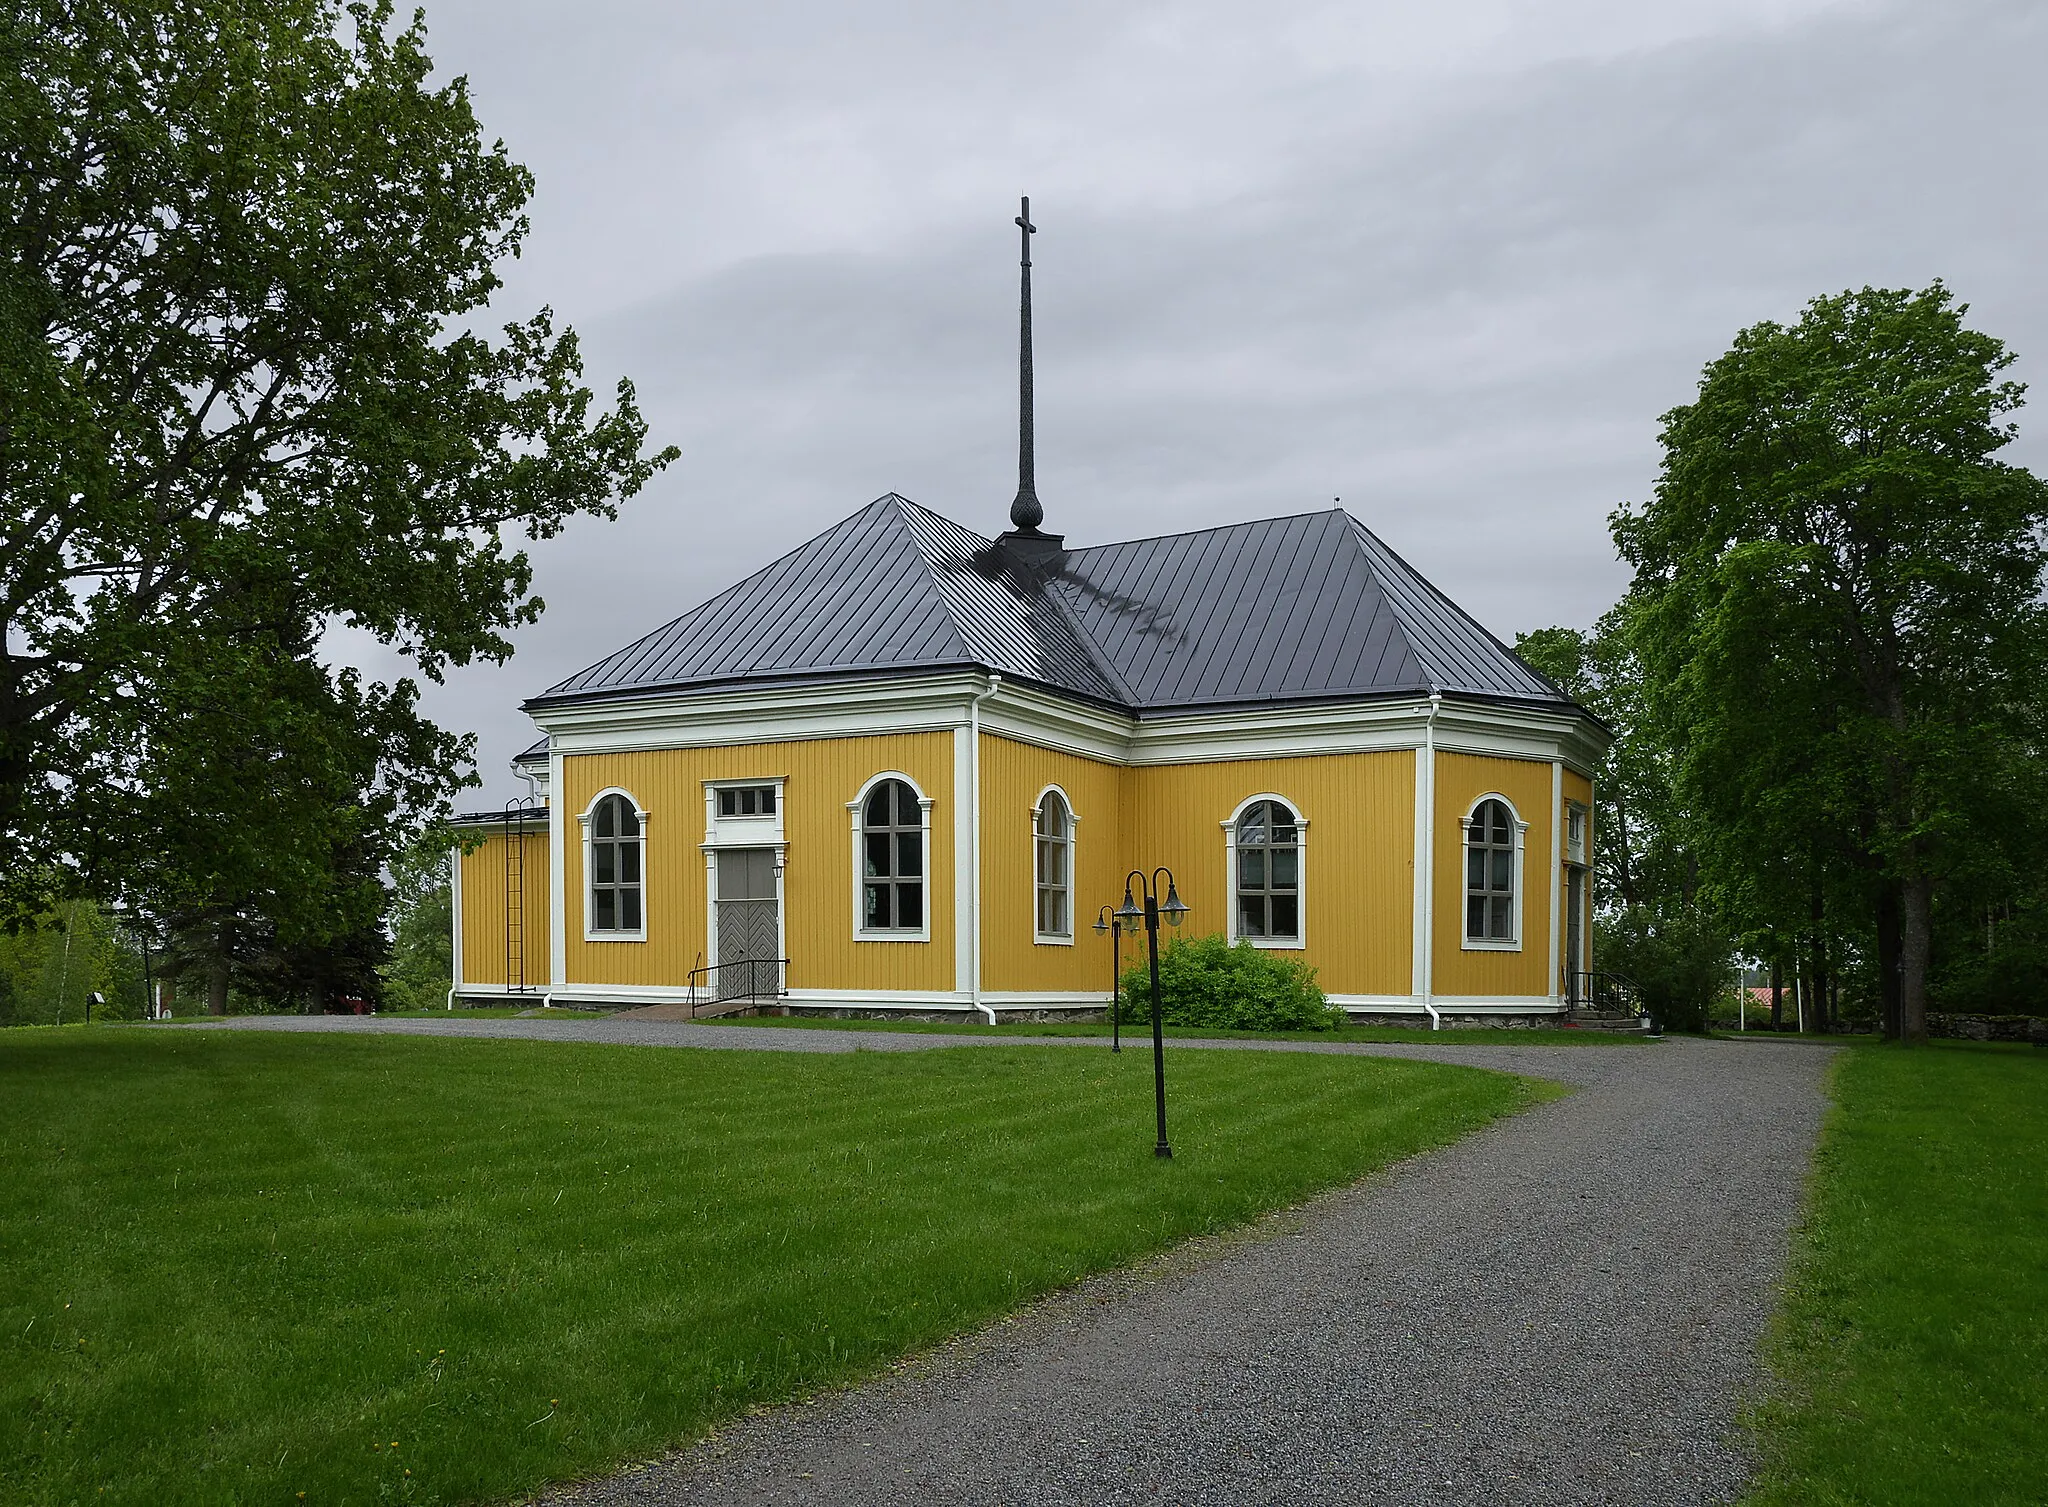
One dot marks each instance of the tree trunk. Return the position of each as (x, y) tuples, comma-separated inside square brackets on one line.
[(217, 986), (1916, 952), (1888, 921)]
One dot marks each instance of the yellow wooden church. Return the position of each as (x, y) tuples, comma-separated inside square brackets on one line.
[(904, 768)]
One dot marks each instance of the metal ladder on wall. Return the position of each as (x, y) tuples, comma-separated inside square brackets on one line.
[(517, 814)]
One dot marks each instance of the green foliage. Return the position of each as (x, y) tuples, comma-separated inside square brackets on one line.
[(422, 966), (1913, 1340), (1837, 610), (47, 969), (1680, 961), (246, 256), (249, 1263), (1205, 981)]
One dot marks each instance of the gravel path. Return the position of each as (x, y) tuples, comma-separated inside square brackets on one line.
[(1564, 1308)]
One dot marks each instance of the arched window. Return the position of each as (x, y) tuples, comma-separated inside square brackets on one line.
[(1268, 855), (892, 859), (615, 866), (1053, 826), (1490, 837)]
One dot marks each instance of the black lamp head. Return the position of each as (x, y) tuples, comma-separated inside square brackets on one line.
[(1175, 907)]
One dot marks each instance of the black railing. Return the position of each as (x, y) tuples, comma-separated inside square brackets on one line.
[(1603, 993), (748, 970)]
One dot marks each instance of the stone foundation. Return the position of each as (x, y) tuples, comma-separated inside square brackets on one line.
[(1458, 1022)]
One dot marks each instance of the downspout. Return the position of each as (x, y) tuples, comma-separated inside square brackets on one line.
[(1429, 868), (974, 835)]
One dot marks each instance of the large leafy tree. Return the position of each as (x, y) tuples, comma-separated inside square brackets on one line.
[(246, 251), (1837, 606)]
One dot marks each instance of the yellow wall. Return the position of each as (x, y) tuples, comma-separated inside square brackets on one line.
[(821, 777), (1460, 780), (1012, 775), (484, 959), (1358, 872)]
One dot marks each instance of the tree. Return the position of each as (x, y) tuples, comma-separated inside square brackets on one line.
[(422, 966), (244, 252), (1836, 601)]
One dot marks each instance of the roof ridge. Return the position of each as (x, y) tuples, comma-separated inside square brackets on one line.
[(1436, 591), (1214, 528)]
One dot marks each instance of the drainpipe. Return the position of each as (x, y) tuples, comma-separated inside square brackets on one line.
[(1429, 867), (974, 836)]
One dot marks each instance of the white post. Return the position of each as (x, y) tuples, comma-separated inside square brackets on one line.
[(1799, 1001)]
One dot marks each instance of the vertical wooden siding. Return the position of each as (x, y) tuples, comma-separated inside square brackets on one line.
[(1358, 870), (1460, 780), (1012, 775), (821, 776), (483, 911)]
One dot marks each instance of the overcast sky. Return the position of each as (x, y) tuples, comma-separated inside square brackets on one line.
[(1446, 261)]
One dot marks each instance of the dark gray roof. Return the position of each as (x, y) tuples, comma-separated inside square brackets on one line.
[(1312, 607)]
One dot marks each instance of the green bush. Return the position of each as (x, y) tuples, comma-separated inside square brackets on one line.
[(1204, 981), (1678, 962)]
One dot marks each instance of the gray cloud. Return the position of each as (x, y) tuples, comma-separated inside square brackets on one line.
[(1448, 265)]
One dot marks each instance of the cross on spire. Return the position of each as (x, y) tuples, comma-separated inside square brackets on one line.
[(1025, 513)]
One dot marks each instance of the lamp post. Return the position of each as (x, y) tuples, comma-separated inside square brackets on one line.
[(1109, 921), (1174, 909)]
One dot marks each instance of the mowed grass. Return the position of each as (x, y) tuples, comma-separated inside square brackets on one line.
[(1139, 1032), (1913, 1353), (238, 1267)]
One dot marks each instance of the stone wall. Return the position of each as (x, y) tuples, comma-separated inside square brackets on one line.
[(1988, 1027)]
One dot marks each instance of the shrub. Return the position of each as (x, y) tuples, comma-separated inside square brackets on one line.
[(1679, 962), (1205, 981)]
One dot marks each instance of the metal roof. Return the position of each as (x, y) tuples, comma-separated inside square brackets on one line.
[(1312, 607)]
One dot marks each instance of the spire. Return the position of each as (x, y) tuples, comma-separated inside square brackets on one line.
[(1025, 513)]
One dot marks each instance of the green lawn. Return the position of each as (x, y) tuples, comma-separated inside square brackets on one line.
[(1913, 1354), (249, 1268), (1140, 1033)]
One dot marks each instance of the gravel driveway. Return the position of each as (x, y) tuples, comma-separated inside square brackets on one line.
[(1564, 1308)]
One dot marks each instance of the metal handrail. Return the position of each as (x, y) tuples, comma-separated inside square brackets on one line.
[(1604, 991), (706, 969)]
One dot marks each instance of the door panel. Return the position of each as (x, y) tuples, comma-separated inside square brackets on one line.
[(749, 924)]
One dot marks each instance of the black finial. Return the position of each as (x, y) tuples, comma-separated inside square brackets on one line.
[(1025, 513)]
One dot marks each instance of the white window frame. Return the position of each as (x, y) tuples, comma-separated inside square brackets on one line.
[(1579, 817), (745, 832), (1073, 842), (587, 820), (1298, 942), (1517, 905), (856, 809)]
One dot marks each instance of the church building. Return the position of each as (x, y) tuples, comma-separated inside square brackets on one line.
[(906, 768)]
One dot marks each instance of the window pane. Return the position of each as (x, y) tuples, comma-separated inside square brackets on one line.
[(1475, 916), (910, 906), (1251, 827), (1475, 867), (1503, 870), (910, 854), (1286, 916), (1059, 912), (1501, 834), (603, 826), (604, 911), (1251, 916), (878, 853), (906, 805), (877, 906), (747, 799), (728, 802), (629, 909), (1503, 919), (605, 862), (1055, 863), (629, 863), (768, 800), (878, 805), (1286, 868), (629, 820), (1251, 870)]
